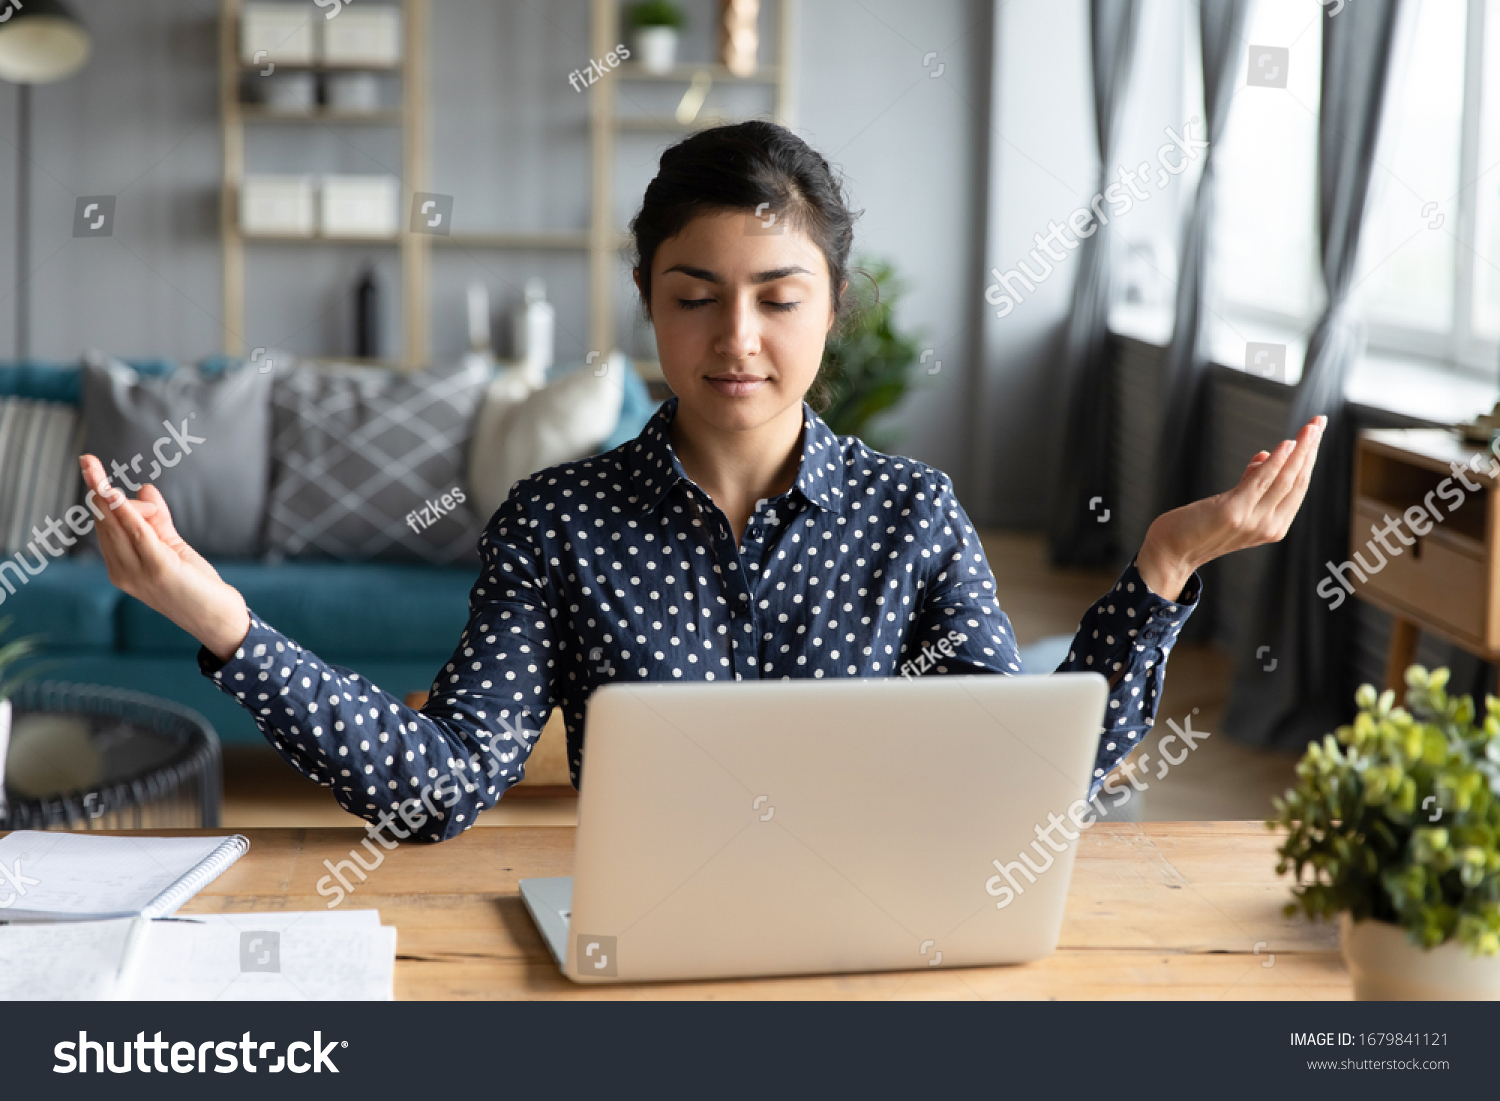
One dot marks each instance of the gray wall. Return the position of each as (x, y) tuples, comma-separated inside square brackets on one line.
[(510, 143), (1042, 164)]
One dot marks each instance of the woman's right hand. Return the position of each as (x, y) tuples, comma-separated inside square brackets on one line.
[(149, 560)]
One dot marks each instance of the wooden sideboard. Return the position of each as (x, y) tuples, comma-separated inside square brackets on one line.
[(1442, 577)]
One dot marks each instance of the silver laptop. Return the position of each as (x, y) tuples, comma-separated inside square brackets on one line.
[(813, 826)]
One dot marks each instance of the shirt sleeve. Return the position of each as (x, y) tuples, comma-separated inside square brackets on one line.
[(1126, 635), (435, 769)]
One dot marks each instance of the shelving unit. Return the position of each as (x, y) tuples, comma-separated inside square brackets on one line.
[(601, 240), (412, 120), (605, 240)]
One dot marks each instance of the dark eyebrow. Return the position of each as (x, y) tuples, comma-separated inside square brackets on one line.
[(759, 277)]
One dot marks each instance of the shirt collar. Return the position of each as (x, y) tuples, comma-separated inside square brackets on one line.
[(655, 468)]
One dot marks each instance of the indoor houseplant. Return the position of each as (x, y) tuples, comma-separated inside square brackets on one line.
[(656, 23), (867, 363), (1393, 827)]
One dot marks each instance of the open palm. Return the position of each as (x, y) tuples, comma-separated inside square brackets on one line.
[(148, 559), (1259, 509)]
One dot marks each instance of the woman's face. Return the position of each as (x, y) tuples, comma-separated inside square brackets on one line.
[(740, 311)]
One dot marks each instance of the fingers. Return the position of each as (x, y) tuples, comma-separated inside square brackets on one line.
[(127, 538), (114, 544), (1286, 509), (1273, 485), (1298, 468), (95, 478), (153, 507), (1273, 512)]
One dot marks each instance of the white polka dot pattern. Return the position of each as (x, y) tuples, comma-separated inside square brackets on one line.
[(619, 567)]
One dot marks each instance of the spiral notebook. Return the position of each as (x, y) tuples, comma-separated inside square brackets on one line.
[(79, 877)]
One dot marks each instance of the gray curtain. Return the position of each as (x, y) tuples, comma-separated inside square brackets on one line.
[(1076, 536), (1180, 453), (1310, 691)]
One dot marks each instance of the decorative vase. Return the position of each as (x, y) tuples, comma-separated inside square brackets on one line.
[(657, 47), (739, 35), (1388, 967)]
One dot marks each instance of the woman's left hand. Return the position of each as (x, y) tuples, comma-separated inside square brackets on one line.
[(1258, 510)]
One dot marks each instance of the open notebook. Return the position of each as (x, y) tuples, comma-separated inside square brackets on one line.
[(317, 956), (79, 877)]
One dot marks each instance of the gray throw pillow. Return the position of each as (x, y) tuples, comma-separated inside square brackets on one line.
[(369, 464), (204, 442)]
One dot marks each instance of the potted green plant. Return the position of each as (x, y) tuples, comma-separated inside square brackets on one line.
[(867, 363), (657, 24), (1393, 828), (10, 653)]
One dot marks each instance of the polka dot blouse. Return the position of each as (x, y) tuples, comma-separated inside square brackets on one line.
[(619, 567)]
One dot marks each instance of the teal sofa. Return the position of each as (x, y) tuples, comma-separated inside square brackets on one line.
[(393, 623)]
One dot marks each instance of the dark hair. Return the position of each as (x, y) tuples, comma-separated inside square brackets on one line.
[(751, 166)]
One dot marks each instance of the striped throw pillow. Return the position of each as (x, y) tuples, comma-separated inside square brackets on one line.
[(39, 445)]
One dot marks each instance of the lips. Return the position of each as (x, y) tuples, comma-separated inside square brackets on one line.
[(736, 385)]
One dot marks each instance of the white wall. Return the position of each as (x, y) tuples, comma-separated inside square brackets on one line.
[(912, 147)]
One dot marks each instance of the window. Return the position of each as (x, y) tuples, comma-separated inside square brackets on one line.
[(1263, 240), (1406, 280), (1427, 279), (1484, 265)]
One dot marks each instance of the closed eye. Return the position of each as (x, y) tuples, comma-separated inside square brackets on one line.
[(695, 303)]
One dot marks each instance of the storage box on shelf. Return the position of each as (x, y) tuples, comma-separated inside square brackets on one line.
[(371, 61), (359, 206), (296, 34), (363, 36), (285, 34), (278, 206)]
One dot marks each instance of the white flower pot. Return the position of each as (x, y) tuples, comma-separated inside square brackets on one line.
[(1388, 967), (657, 48)]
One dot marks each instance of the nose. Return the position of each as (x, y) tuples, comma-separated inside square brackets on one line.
[(739, 337)]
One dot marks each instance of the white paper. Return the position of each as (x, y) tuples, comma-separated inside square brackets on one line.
[(283, 919), (286, 956), (305, 961), (79, 875), (67, 961)]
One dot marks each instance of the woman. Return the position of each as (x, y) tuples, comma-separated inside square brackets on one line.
[(736, 537)]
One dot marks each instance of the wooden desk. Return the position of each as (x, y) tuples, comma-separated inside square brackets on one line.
[(1157, 910)]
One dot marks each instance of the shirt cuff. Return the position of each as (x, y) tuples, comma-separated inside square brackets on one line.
[(1161, 618), (252, 664)]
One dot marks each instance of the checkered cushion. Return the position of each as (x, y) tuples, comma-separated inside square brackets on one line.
[(39, 444), (357, 452)]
